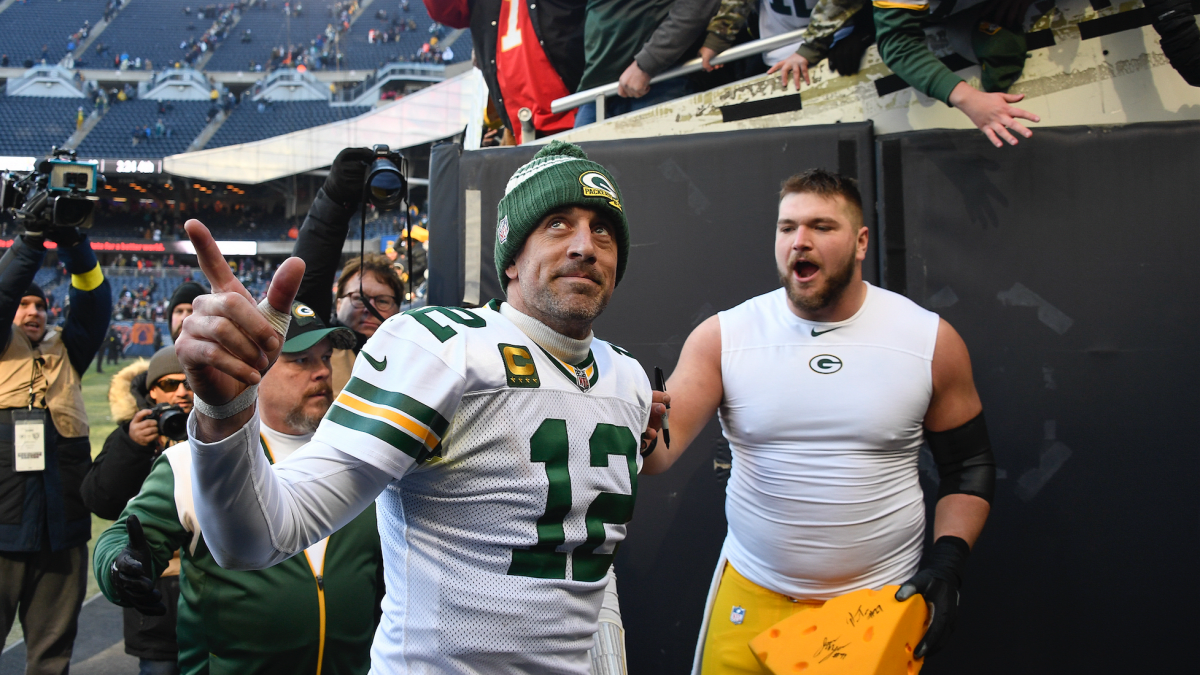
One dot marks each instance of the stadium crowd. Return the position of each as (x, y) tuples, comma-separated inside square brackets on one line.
[(629, 43)]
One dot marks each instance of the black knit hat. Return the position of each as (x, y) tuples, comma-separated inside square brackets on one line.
[(34, 289), (187, 293)]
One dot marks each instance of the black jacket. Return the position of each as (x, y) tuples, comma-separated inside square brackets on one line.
[(117, 473), (319, 245)]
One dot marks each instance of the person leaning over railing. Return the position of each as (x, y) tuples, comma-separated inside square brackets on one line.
[(44, 448), (999, 44), (631, 41), (823, 35)]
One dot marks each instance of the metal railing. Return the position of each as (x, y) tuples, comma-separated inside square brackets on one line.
[(741, 51)]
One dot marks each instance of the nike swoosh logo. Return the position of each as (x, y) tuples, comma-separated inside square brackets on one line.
[(815, 333), (377, 365)]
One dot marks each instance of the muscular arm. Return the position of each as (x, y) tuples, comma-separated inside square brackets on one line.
[(696, 391), (955, 402), (274, 513)]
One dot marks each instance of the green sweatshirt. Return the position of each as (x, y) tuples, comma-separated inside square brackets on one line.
[(901, 42), (283, 620)]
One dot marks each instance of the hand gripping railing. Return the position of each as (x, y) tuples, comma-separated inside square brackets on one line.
[(741, 51)]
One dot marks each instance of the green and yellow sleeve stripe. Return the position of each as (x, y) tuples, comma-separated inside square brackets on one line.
[(399, 420)]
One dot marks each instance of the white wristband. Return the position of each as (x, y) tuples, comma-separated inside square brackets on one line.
[(219, 412)]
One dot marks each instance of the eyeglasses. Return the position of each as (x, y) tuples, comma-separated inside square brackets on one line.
[(169, 386), (383, 303)]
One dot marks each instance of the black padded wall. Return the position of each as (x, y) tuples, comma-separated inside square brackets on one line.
[(445, 226), (1068, 266)]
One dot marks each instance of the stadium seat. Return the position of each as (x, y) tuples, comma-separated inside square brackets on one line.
[(246, 124), (33, 124)]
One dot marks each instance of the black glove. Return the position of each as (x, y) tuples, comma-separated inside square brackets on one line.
[(131, 576), (344, 184), (65, 237), (845, 57), (938, 583)]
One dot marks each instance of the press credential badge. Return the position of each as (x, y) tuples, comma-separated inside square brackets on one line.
[(29, 440)]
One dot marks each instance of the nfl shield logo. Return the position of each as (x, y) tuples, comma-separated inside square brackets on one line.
[(581, 379), (502, 230)]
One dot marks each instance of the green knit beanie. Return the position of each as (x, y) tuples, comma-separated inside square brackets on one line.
[(560, 174)]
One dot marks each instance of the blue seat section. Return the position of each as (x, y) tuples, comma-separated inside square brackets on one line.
[(247, 124), (152, 29), (25, 28), (113, 135), (270, 27), (363, 55), (32, 124)]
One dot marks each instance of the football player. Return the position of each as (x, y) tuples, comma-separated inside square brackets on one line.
[(502, 442)]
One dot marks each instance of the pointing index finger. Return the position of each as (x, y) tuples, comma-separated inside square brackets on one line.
[(211, 262)]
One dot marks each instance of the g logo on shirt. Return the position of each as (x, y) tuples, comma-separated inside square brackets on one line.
[(825, 364)]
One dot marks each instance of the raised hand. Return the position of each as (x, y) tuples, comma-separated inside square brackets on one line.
[(993, 113), (227, 344), (130, 573)]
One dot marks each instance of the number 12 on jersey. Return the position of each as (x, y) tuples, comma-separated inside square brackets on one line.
[(550, 446)]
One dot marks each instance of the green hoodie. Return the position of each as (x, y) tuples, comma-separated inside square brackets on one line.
[(285, 619)]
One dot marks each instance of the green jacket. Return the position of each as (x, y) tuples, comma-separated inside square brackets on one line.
[(283, 620), (900, 36)]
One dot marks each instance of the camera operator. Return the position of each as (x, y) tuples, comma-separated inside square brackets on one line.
[(120, 469), (44, 448), (319, 245)]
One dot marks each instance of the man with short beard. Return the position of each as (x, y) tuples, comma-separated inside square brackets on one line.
[(501, 442), (316, 612), (827, 388)]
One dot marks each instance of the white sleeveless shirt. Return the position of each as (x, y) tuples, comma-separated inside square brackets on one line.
[(825, 422)]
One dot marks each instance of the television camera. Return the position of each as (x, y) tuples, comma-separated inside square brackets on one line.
[(59, 193)]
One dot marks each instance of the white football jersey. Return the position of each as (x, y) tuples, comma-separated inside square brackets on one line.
[(515, 475), (776, 17)]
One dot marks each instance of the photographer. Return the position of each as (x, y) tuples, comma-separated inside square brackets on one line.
[(117, 475), (319, 245), (44, 525)]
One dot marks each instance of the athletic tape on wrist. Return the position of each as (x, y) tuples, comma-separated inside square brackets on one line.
[(278, 320), (219, 412)]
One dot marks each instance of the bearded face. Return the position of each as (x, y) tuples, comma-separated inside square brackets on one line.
[(819, 245), (566, 271)]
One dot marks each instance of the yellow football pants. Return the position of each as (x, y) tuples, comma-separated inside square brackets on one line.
[(727, 644)]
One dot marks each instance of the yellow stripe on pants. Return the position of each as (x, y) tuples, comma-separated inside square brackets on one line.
[(727, 645)]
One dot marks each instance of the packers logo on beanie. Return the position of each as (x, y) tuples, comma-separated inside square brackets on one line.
[(559, 175)]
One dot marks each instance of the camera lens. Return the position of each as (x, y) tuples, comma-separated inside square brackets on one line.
[(173, 424), (71, 212), (386, 185)]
